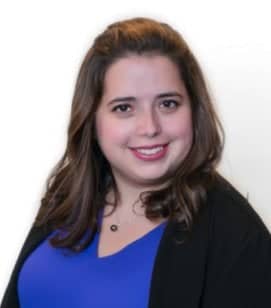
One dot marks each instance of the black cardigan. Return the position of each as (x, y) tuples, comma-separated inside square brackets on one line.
[(224, 263)]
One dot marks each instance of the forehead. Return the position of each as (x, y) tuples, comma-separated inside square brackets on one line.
[(142, 75)]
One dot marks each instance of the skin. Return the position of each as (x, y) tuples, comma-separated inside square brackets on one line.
[(141, 121)]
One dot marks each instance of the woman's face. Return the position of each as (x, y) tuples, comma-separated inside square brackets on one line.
[(144, 122)]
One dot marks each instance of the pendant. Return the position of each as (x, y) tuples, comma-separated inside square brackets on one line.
[(114, 228)]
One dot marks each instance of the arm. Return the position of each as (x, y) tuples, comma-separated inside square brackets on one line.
[(244, 281)]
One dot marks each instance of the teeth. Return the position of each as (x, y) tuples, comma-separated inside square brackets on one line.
[(150, 151)]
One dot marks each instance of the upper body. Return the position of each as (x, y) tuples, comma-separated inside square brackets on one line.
[(225, 262), (143, 129)]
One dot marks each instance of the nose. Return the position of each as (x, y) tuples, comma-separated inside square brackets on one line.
[(148, 124)]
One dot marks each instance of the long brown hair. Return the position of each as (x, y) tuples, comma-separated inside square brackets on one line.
[(77, 186)]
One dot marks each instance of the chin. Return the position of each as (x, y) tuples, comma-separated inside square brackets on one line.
[(151, 179)]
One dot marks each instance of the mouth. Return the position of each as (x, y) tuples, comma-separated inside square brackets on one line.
[(153, 152), (147, 147)]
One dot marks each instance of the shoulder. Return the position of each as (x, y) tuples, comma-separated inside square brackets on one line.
[(231, 213), (239, 251), (238, 238)]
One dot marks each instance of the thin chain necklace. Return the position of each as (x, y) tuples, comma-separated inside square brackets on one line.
[(115, 226)]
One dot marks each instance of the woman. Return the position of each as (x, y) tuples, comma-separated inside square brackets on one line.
[(135, 213)]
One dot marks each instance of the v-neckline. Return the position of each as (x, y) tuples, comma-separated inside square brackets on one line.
[(129, 245)]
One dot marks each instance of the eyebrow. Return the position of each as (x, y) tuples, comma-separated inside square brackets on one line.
[(133, 98)]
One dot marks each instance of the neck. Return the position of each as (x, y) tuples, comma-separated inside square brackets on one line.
[(129, 206), (129, 192)]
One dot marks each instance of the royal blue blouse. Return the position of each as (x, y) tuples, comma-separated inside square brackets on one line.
[(50, 278)]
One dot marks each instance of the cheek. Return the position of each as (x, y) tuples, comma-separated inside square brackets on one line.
[(108, 133), (181, 127)]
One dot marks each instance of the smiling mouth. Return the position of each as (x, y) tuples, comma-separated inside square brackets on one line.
[(150, 153), (149, 147)]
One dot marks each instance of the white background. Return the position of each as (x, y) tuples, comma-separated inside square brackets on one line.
[(42, 46)]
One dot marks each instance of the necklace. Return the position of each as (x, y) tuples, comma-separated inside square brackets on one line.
[(115, 226)]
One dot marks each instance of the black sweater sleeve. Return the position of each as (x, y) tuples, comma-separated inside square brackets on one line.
[(245, 280), (239, 265)]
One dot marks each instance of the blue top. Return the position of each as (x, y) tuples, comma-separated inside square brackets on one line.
[(49, 278)]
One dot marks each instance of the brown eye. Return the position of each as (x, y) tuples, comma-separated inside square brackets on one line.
[(121, 108), (170, 104)]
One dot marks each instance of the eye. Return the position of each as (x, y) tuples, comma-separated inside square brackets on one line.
[(170, 104), (122, 108)]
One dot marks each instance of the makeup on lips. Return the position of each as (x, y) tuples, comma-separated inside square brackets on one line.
[(150, 153)]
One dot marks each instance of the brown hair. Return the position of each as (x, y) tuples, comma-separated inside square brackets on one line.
[(77, 186)]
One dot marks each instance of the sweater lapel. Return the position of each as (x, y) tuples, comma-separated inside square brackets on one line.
[(179, 269)]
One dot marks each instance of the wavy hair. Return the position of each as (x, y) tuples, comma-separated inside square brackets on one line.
[(77, 186)]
